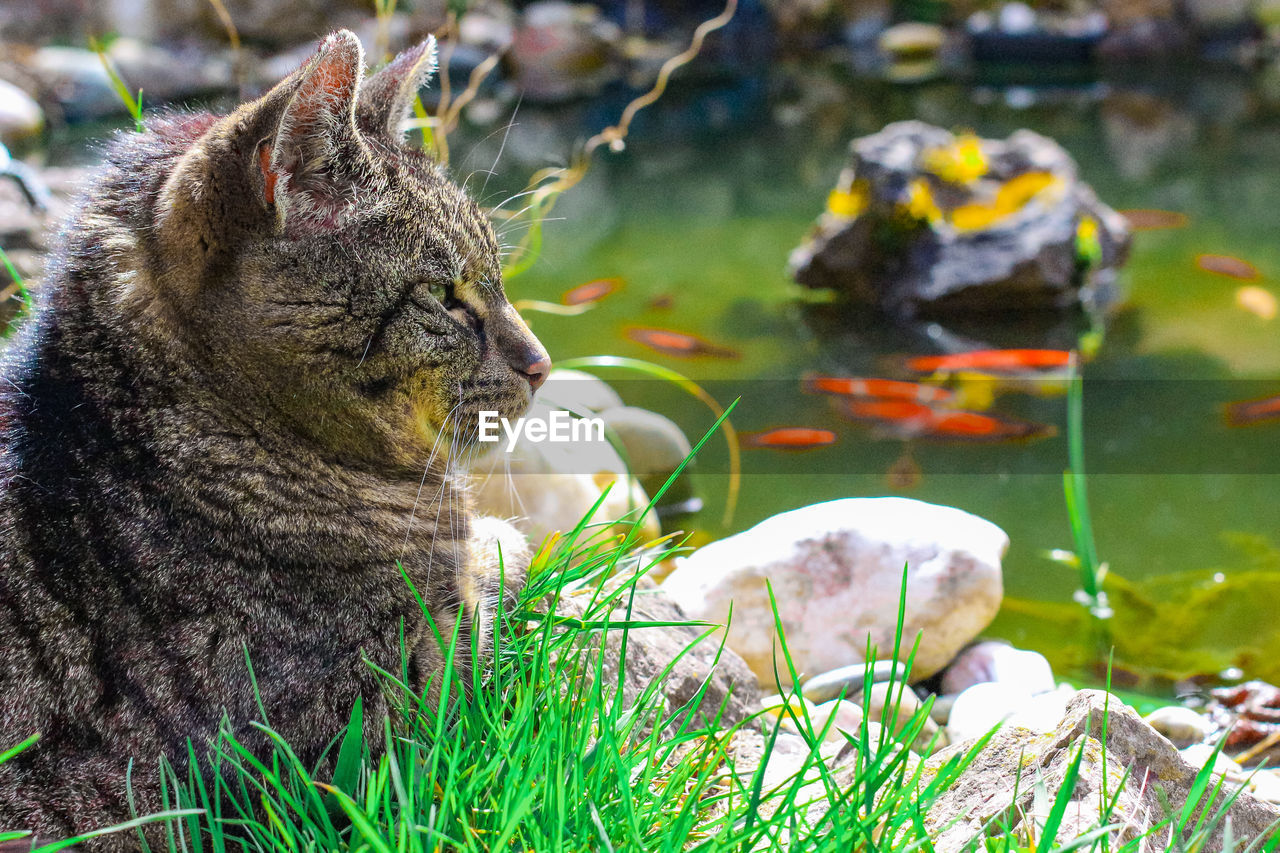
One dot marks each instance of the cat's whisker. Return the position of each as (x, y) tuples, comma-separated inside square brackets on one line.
[(493, 170), (526, 223), (435, 446)]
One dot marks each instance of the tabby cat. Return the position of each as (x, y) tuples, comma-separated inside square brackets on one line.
[(258, 332)]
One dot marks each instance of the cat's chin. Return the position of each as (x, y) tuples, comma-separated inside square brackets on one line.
[(461, 431)]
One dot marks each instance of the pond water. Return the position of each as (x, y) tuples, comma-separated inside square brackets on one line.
[(721, 180), (698, 216)]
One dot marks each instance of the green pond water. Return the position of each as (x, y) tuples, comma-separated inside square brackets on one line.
[(1185, 507), (717, 186)]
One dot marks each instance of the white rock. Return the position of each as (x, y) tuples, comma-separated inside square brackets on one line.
[(548, 486), (904, 705), (578, 391), (850, 680), (977, 710), (1182, 726), (848, 718), (836, 570), (1198, 755), (1265, 785), (1042, 713), (995, 661), (20, 116)]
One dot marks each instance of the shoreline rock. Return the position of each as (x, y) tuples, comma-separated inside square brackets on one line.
[(836, 569)]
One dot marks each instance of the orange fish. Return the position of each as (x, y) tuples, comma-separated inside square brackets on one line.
[(592, 291), (1246, 412), (1154, 220), (885, 389), (999, 360), (790, 438), (1228, 266), (677, 344), (916, 419)]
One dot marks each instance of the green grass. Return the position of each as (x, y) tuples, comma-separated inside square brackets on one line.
[(540, 753)]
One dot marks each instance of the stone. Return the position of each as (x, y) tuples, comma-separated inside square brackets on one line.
[(490, 26), (655, 448), (892, 698), (912, 39), (849, 680), (545, 487), (77, 81), (991, 660), (1042, 711), (578, 391), (562, 51), (848, 718), (651, 650), (1200, 754), (1182, 726), (1265, 785), (790, 757), (981, 707), (924, 223), (21, 118), (836, 570), (166, 75), (1145, 774)]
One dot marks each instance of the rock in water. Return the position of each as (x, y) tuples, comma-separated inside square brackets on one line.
[(836, 570), (1144, 774), (926, 223)]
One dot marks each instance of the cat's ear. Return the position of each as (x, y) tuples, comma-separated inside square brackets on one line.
[(317, 124), (386, 98)]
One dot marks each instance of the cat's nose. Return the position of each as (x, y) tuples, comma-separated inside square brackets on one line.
[(536, 372)]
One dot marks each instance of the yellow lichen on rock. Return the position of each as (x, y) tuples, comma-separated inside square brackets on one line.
[(961, 162), (848, 203)]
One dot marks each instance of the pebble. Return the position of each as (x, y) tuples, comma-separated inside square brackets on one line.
[(165, 75), (889, 698), (991, 660), (1182, 726), (912, 39), (785, 710), (978, 709), (849, 680), (848, 718)]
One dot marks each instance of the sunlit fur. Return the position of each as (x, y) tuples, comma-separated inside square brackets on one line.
[(237, 407)]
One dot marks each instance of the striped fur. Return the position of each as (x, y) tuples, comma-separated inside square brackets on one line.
[(235, 410)]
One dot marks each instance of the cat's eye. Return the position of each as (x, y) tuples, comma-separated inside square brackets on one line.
[(442, 292)]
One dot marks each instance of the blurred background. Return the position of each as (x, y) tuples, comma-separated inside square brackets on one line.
[(1168, 109)]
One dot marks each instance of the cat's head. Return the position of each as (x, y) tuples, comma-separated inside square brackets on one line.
[(336, 270)]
